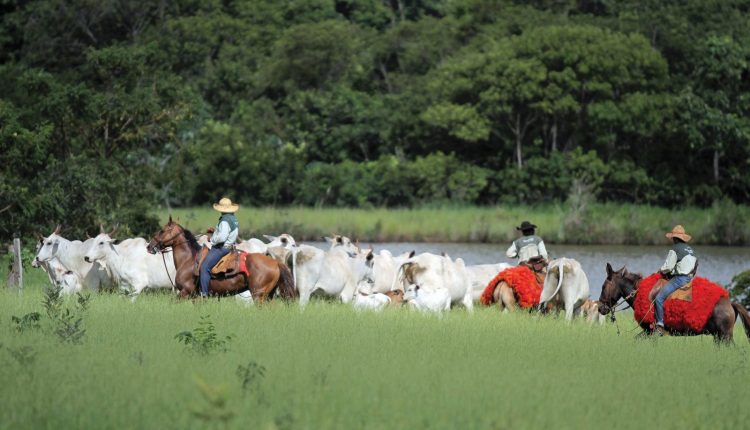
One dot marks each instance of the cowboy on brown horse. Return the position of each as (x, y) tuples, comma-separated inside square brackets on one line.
[(223, 239), (679, 268)]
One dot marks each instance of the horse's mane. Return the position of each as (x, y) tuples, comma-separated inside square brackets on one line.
[(191, 240)]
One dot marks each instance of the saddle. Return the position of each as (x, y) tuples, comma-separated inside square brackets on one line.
[(538, 266), (685, 293), (227, 267)]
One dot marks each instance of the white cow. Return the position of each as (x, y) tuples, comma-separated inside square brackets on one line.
[(437, 300), (365, 298), (566, 286), (336, 272), (480, 275), (132, 267), (254, 245), (67, 280), (343, 242), (432, 272), (384, 269), (70, 255), (69, 283)]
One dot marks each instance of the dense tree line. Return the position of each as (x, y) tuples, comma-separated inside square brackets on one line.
[(109, 108)]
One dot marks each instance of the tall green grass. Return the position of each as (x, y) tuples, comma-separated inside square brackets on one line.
[(601, 223), (331, 367)]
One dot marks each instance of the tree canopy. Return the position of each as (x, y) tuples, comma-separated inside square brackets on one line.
[(108, 109)]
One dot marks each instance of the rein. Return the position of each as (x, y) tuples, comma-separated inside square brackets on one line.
[(163, 248)]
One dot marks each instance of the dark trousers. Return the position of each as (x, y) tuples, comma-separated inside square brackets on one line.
[(213, 257)]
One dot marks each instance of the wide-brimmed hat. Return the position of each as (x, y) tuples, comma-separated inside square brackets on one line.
[(525, 226), (679, 232), (225, 205)]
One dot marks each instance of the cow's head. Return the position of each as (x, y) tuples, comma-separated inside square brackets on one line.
[(338, 241), (100, 247), (48, 247), (285, 240), (411, 292)]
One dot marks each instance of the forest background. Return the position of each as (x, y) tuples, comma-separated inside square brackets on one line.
[(111, 111)]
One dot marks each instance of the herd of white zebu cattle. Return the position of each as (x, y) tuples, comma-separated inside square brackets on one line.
[(363, 278)]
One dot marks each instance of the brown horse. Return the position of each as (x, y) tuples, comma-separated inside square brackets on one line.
[(266, 275), (623, 284)]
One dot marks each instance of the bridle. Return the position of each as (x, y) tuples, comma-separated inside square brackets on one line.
[(160, 247), (623, 299)]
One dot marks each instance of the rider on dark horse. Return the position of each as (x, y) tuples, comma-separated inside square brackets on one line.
[(529, 248), (679, 268), (223, 239)]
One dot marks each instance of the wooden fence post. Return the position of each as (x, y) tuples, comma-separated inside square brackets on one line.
[(15, 274)]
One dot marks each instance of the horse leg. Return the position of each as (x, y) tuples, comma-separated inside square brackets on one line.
[(721, 323), (508, 298)]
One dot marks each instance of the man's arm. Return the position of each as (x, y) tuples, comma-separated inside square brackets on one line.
[(221, 234), (668, 266), (512, 252), (543, 250)]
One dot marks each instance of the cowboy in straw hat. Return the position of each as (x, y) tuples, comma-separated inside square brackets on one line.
[(679, 268), (527, 247), (223, 239)]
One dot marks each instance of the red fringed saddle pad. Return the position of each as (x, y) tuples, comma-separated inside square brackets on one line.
[(522, 280), (679, 315)]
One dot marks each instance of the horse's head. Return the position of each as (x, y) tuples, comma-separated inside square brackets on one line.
[(166, 237), (619, 284)]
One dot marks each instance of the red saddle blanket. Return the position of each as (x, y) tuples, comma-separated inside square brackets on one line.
[(679, 315), (523, 282)]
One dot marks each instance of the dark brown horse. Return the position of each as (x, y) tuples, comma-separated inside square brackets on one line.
[(266, 275), (623, 284)]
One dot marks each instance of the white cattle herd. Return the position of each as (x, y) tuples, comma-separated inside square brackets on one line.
[(356, 276)]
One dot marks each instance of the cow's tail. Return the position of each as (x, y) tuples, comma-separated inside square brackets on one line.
[(559, 284), (398, 280), (744, 316), (285, 284), (294, 266)]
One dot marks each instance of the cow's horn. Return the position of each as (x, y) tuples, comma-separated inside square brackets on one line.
[(101, 228), (58, 228)]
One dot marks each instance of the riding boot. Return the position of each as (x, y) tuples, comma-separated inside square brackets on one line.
[(660, 331)]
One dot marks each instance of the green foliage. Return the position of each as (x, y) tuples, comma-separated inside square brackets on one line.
[(204, 340), (29, 321), (66, 323), (108, 109), (251, 376), (213, 408), (739, 289)]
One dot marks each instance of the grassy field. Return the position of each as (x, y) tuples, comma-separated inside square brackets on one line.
[(330, 367), (611, 224)]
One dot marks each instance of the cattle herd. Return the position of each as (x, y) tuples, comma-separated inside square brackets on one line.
[(360, 277)]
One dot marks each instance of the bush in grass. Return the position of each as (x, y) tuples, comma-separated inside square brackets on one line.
[(203, 339)]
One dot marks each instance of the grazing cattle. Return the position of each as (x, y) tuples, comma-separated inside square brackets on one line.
[(70, 254), (336, 272), (343, 242), (480, 275), (254, 245), (69, 283), (590, 312), (432, 272), (132, 267), (436, 300), (365, 299), (384, 269), (566, 286)]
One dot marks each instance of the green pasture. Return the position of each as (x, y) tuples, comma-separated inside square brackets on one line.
[(331, 367), (597, 223)]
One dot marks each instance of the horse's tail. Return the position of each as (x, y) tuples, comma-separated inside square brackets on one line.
[(744, 315), (285, 284)]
